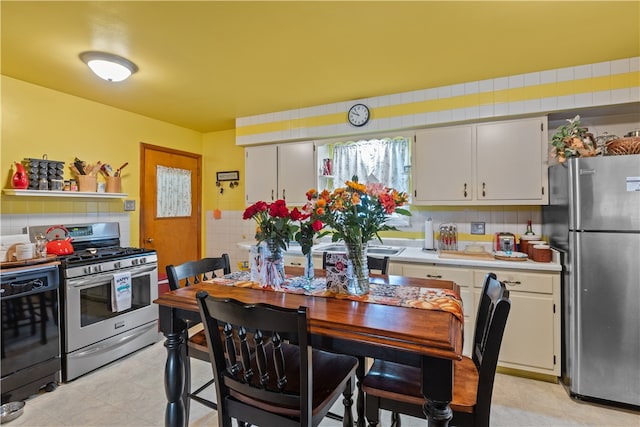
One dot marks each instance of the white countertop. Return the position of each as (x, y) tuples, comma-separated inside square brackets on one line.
[(415, 254)]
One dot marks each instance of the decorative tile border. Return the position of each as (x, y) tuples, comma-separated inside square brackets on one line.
[(583, 86)]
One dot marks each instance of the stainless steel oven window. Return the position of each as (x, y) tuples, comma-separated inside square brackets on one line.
[(93, 295), (95, 302)]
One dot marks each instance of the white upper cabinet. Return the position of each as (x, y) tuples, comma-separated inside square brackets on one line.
[(296, 172), (443, 165), (482, 164), (511, 161), (282, 171)]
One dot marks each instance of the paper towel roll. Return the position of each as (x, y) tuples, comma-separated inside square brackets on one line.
[(428, 234)]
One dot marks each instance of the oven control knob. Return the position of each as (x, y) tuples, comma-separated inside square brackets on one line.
[(143, 260), (87, 270), (134, 261), (116, 264), (97, 268)]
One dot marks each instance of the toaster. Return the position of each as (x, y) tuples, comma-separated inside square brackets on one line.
[(505, 242)]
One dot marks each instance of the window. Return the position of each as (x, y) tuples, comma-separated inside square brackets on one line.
[(375, 160)]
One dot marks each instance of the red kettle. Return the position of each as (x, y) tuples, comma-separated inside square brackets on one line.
[(59, 246)]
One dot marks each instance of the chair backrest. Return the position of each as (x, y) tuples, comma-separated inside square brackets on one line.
[(381, 264), (491, 320), (262, 373), (192, 272)]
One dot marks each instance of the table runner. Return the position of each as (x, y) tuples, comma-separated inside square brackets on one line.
[(404, 296)]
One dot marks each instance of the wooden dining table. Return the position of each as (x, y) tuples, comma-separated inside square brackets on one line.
[(425, 338)]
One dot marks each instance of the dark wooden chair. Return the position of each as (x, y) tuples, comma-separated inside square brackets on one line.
[(380, 264), (396, 387), (185, 275), (374, 263), (268, 380)]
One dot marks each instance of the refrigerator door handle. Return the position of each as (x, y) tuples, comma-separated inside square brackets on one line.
[(587, 172)]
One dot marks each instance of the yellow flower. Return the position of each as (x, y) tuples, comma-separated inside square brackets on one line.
[(356, 186)]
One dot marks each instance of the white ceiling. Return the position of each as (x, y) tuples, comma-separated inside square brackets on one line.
[(204, 63)]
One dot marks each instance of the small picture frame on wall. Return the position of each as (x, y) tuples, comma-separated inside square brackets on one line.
[(228, 176)]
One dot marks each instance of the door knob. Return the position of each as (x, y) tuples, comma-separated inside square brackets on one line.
[(150, 240)]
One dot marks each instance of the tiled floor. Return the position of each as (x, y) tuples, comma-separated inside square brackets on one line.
[(130, 392)]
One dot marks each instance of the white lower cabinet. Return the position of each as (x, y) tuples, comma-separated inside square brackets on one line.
[(532, 336), (531, 339), (464, 279), (298, 261)]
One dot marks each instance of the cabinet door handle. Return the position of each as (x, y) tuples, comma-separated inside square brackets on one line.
[(271, 194), (283, 196), (513, 283), (465, 189), (483, 188), (296, 263), (431, 276)]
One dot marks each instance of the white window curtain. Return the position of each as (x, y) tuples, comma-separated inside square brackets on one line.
[(383, 161), (173, 192)]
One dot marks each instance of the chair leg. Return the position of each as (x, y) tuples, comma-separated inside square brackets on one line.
[(205, 402), (372, 410), (395, 419)]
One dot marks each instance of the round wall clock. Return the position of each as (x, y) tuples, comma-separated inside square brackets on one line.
[(358, 115)]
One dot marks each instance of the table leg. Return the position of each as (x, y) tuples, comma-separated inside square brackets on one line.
[(174, 381), (437, 388)]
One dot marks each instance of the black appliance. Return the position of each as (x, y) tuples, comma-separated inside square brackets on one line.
[(30, 330)]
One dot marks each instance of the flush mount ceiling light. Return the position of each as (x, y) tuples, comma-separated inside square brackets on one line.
[(108, 66)]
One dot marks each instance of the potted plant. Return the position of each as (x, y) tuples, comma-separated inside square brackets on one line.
[(573, 140)]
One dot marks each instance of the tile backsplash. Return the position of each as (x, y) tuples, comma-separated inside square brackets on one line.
[(224, 234), (17, 223)]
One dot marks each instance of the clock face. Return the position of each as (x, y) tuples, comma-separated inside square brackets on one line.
[(358, 115)]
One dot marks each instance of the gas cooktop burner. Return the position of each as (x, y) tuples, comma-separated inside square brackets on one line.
[(99, 254)]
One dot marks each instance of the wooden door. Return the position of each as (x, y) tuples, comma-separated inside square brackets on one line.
[(176, 238)]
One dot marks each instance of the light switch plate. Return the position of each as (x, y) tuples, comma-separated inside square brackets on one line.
[(477, 227), (129, 205)]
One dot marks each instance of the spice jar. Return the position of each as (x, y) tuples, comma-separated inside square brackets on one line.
[(43, 184), (73, 185), (57, 185)]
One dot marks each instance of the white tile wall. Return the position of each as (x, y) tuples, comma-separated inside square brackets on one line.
[(223, 235), (444, 116), (17, 224)]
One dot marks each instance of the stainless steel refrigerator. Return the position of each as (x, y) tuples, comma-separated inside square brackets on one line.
[(593, 218)]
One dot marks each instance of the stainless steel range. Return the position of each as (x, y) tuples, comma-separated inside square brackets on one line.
[(95, 333)]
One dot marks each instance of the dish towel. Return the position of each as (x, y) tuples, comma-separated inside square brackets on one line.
[(121, 292)]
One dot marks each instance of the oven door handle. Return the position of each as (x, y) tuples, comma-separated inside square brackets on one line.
[(90, 281)]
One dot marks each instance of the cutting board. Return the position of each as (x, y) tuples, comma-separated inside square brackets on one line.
[(466, 255), (21, 263)]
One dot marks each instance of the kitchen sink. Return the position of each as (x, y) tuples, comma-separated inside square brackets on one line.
[(371, 250)]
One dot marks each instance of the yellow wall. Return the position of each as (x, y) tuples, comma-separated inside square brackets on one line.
[(37, 121), (219, 154)]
